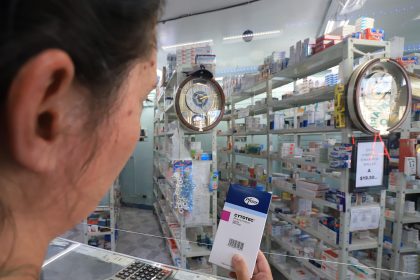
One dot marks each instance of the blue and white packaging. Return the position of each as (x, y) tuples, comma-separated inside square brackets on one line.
[(241, 227)]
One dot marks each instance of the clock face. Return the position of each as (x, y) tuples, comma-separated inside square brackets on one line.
[(200, 103), (381, 96)]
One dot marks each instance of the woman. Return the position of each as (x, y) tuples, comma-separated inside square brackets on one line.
[(73, 77)]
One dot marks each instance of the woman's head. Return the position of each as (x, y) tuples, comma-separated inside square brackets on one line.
[(73, 76)]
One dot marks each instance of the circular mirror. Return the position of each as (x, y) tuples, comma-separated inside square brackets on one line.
[(200, 103), (379, 96)]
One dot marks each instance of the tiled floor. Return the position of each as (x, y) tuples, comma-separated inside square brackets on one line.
[(135, 244)]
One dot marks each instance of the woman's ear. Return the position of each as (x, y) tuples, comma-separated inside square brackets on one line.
[(35, 109)]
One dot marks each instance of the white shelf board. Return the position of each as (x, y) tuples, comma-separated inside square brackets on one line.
[(358, 244), (305, 262), (317, 201), (251, 155), (309, 230), (102, 233), (227, 117), (406, 191), (254, 90), (282, 268), (314, 96), (171, 83), (406, 219), (224, 152), (103, 208), (311, 130), (300, 162), (224, 133), (248, 133), (253, 111), (410, 191), (409, 250), (197, 251)]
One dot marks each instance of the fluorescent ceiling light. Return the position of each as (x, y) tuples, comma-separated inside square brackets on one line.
[(259, 34), (187, 44)]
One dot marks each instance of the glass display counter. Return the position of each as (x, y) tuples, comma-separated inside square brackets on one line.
[(75, 261)]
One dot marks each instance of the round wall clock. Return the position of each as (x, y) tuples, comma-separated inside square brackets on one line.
[(200, 101), (379, 96)]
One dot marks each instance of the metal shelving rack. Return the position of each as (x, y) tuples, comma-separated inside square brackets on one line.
[(164, 114), (399, 219), (112, 208), (345, 54)]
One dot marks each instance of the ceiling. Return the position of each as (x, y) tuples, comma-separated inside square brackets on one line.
[(176, 8), (297, 20)]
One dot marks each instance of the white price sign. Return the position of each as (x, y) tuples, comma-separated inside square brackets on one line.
[(370, 164)]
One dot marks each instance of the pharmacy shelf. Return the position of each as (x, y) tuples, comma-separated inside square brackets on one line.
[(224, 169), (111, 208), (311, 65), (224, 133), (358, 244), (164, 155), (317, 95), (308, 230), (386, 275), (311, 130), (166, 189), (239, 174), (177, 216), (251, 110), (170, 108), (251, 155), (344, 54), (227, 117), (170, 87), (163, 134), (225, 152), (300, 162), (101, 233), (410, 249), (326, 59), (414, 129), (195, 250), (249, 133), (406, 191), (305, 262), (305, 174), (254, 90), (406, 219), (103, 208), (283, 268), (317, 201), (316, 63), (165, 229), (171, 84)]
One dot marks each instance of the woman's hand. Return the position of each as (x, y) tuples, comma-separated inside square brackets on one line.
[(262, 269)]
